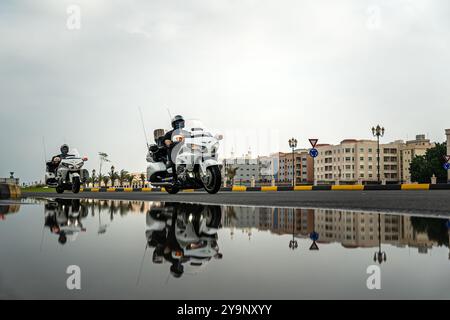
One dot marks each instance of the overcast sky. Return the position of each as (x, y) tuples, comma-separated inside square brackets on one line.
[(325, 69)]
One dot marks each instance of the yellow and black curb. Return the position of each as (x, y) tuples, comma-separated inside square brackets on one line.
[(412, 186), (9, 191)]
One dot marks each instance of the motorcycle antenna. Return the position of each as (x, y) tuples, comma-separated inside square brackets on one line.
[(142, 265), (143, 127), (170, 115), (45, 149), (42, 238)]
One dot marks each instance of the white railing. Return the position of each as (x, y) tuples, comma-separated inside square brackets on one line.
[(9, 180)]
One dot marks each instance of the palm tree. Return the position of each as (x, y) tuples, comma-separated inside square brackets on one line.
[(113, 176), (106, 180), (231, 173), (100, 179), (90, 180), (130, 179), (123, 175), (143, 178)]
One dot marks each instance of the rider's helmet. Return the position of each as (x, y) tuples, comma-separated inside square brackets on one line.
[(178, 122), (64, 149)]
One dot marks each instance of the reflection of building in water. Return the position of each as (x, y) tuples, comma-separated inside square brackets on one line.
[(357, 229), (351, 229)]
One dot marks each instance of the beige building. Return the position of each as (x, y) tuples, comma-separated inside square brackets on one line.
[(303, 163), (409, 150), (355, 161)]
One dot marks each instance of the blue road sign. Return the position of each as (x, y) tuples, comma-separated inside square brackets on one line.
[(313, 152), (448, 224), (447, 166), (314, 236)]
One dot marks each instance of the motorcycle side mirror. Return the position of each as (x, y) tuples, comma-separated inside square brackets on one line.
[(85, 158), (219, 137)]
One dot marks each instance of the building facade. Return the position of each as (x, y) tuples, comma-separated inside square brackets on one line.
[(355, 161), (247, 168), (412, 148), (303, 164)]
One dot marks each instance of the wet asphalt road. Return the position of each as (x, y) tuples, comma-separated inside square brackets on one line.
[(414, 201)]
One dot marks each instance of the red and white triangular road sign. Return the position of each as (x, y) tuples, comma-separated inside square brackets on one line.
[(313, 142), (447, 158)]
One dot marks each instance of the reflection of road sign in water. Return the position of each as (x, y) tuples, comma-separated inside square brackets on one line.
[(314, 247), (313, 153), (447, 166), (314, 236), (313, 142), (448, 224)]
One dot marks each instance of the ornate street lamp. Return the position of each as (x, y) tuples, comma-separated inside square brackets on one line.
[(112, 176), (93, 177), (293, 145), (378, 132)]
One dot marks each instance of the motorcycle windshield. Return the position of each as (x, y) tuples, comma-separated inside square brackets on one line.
[(197, 129), (73, 154), (194, 125)]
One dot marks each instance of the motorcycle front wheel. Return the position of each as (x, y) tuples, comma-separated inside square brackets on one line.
[(76, 185), (212, 180), (60, 189)]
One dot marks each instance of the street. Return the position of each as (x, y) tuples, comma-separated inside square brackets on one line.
[(417, 202)]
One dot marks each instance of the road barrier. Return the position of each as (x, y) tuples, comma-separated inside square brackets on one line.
[(359, 187), (8, 191)]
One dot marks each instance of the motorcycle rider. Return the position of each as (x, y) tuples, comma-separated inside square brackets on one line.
[(178, 124), (53, 165)]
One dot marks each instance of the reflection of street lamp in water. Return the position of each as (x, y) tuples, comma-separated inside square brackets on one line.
[(101, 227), (379, 256), (293, 244)]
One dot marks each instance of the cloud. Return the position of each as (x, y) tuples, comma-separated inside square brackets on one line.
[(303, 68)]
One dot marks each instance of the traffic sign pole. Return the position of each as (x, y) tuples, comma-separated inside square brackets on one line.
[(314, 153)]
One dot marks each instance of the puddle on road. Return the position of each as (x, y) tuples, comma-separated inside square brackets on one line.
[(154, 250)]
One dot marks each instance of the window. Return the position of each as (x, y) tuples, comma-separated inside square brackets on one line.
[(361, 158)]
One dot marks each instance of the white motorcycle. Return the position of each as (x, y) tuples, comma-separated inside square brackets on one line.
[(195, 158), (66, 173)]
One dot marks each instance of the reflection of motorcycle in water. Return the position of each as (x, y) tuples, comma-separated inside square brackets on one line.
[(184, 235), (63, 217)]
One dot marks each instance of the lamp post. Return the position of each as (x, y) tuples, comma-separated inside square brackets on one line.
[(379, 256), (93, 178), (378, 132), (293, 145), (112, 176)]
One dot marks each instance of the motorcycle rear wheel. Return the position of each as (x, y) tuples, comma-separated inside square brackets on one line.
[(60, 189), (172, 190)]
